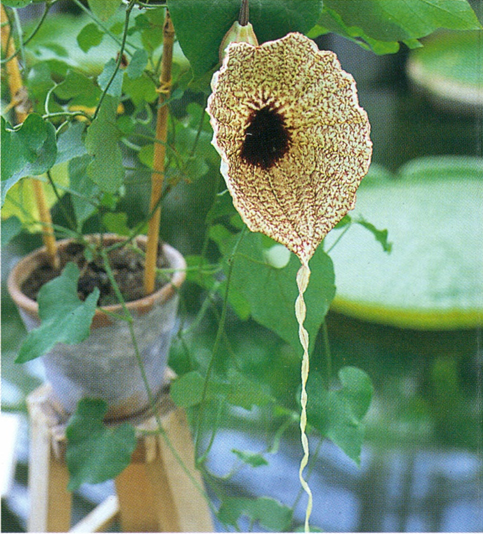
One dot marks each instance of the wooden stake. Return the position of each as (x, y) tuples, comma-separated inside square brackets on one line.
[(157, 178), (15, 85)]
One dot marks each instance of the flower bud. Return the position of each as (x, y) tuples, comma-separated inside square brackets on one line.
[(238, 34)]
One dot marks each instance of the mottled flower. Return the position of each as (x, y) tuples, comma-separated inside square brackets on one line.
[(293, 139)]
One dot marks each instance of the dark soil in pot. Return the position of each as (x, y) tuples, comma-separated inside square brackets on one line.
[(127, 264)]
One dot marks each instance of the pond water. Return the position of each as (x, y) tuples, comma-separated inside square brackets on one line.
[(421, 467)]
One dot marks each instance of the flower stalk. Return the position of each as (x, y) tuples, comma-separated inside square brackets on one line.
[(157, 177), (15, 85)]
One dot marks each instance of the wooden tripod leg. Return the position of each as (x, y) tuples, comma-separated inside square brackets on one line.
[(140, 508), (190, 506), (156, 495), (50, 502)]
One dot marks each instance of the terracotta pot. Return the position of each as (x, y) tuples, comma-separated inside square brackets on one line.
[(104, 365)]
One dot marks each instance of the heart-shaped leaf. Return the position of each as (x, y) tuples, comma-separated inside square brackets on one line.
[(106, 168), (272, 514), (27, 151), (65, 318), (96, 452), (269, 287), (337, 414)]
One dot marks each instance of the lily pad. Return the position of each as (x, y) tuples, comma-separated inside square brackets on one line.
[(432, 279), (448, 68)]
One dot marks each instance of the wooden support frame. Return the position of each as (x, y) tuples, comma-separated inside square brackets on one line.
[(154, 493)]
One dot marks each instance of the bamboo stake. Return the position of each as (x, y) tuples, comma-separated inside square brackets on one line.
[(15, 85), (157, 177)]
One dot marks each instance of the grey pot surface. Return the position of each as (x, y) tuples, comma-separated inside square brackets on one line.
[(105, 366)]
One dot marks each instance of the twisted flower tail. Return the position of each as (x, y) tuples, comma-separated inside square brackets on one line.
[(303, 276)]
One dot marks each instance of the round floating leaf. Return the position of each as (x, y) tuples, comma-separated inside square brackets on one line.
[(432, 277), (449, 68)]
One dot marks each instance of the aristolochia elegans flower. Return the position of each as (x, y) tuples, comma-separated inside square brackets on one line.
[(293, 139), (294, 146)]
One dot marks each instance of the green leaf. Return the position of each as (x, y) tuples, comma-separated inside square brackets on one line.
[(104, 9), (116, 223), (146, 155), (16, 3), (338, 414), (11, 227), (380, 235), (187, 391), (89, 36), (137, 64), (106, 168), (398, 20), (250, 458), (85, 188), (115, 88), (142, 89), (78, 85), (271, 291), (222, 207), (201, 25), (27, 151), (245, 392), (70, 144), (64, 318), (331, 21), (150, 25), (96, 452), (432, 68), (270, 513), (39, 82)]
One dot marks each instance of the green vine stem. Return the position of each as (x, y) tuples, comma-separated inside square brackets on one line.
[(152, 400), (219, 335), (119, 56)]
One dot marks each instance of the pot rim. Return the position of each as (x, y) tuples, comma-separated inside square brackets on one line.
[(28, 263)]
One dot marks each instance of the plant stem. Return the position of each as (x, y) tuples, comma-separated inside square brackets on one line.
[(243, 16), (151, 400), (119, 58), (15, 85), (221, 325), (157, 177)]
